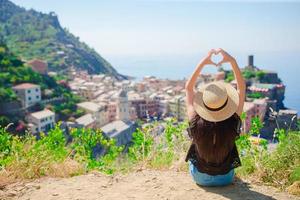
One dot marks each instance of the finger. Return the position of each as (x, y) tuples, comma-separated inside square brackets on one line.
[(211, 52)]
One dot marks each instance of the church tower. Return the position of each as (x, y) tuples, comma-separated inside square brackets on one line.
[(123, 106)]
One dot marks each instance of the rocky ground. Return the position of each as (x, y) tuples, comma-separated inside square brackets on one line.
[(145, 184)]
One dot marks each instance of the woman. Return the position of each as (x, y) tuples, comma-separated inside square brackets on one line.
[(214, 124)]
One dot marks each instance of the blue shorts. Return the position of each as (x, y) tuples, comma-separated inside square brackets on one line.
[(204, 179)]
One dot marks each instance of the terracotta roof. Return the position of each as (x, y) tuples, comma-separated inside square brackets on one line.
[(26, 86)]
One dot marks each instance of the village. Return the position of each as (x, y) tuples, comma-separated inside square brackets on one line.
[(115, 106)]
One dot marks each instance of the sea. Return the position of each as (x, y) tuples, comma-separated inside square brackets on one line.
[(287, 65)]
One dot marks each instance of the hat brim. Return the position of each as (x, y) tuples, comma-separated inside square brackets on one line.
[(220, 115)]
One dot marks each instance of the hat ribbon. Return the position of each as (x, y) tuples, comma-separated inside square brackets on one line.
[(216, 109)]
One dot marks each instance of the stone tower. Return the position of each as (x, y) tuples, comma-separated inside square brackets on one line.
[(122, 106)]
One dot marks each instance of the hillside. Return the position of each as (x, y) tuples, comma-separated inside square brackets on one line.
[(13, 72), (32, 34), (146, 184)]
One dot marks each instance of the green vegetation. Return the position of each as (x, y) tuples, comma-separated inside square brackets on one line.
[(247, 74), (260, 75), (13, 71), (255, 95), (31, 34), (161, 151), (25, 157), (229, 77), (279, 167), (256, 126)]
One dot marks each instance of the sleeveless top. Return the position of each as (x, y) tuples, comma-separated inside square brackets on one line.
[(231, 161)]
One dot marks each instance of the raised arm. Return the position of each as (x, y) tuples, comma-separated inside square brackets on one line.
[(190, 84), (241, 86)]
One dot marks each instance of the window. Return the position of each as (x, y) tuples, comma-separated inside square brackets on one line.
[(29, 98), (37, 96), (50, 118), (36, 89), (28, 91)]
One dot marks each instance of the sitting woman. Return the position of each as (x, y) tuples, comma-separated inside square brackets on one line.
[(214, 123)]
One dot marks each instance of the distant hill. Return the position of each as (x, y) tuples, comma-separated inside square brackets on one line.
[(32, 34)]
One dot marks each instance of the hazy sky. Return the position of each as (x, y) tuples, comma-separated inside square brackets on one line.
[(167, 38), (165, 27)]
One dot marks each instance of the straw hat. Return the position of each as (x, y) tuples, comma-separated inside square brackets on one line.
[(216, 101)]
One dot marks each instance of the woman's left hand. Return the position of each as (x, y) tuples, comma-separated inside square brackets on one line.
[(207, 59), (226, 56)]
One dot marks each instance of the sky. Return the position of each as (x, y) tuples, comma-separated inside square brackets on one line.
[(165, 27), (167, 38)]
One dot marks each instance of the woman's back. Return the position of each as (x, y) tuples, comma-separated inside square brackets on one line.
[(214, 140)]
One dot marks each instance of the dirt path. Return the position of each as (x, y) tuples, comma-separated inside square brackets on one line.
[(139, 185)]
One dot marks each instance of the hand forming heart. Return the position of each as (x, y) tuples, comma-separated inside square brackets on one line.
[(217, 58)]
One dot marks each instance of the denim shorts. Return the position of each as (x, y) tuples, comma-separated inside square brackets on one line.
[(204, 179)]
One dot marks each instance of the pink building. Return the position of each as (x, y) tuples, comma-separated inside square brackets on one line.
[(252, 109), (260, 107), (249, 109)]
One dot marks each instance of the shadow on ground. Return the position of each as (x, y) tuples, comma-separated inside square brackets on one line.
[(239, 187)]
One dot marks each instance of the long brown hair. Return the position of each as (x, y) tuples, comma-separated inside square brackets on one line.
[(214, 140)]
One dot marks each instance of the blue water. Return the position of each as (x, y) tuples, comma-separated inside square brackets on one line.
[(178, 67)]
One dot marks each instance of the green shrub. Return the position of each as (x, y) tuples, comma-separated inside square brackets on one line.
[(6, 141), (83, 144), (247, 74), (142, 142), (255, 95), (229, 77), (281, 167), (295, 174), (260, 75)]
